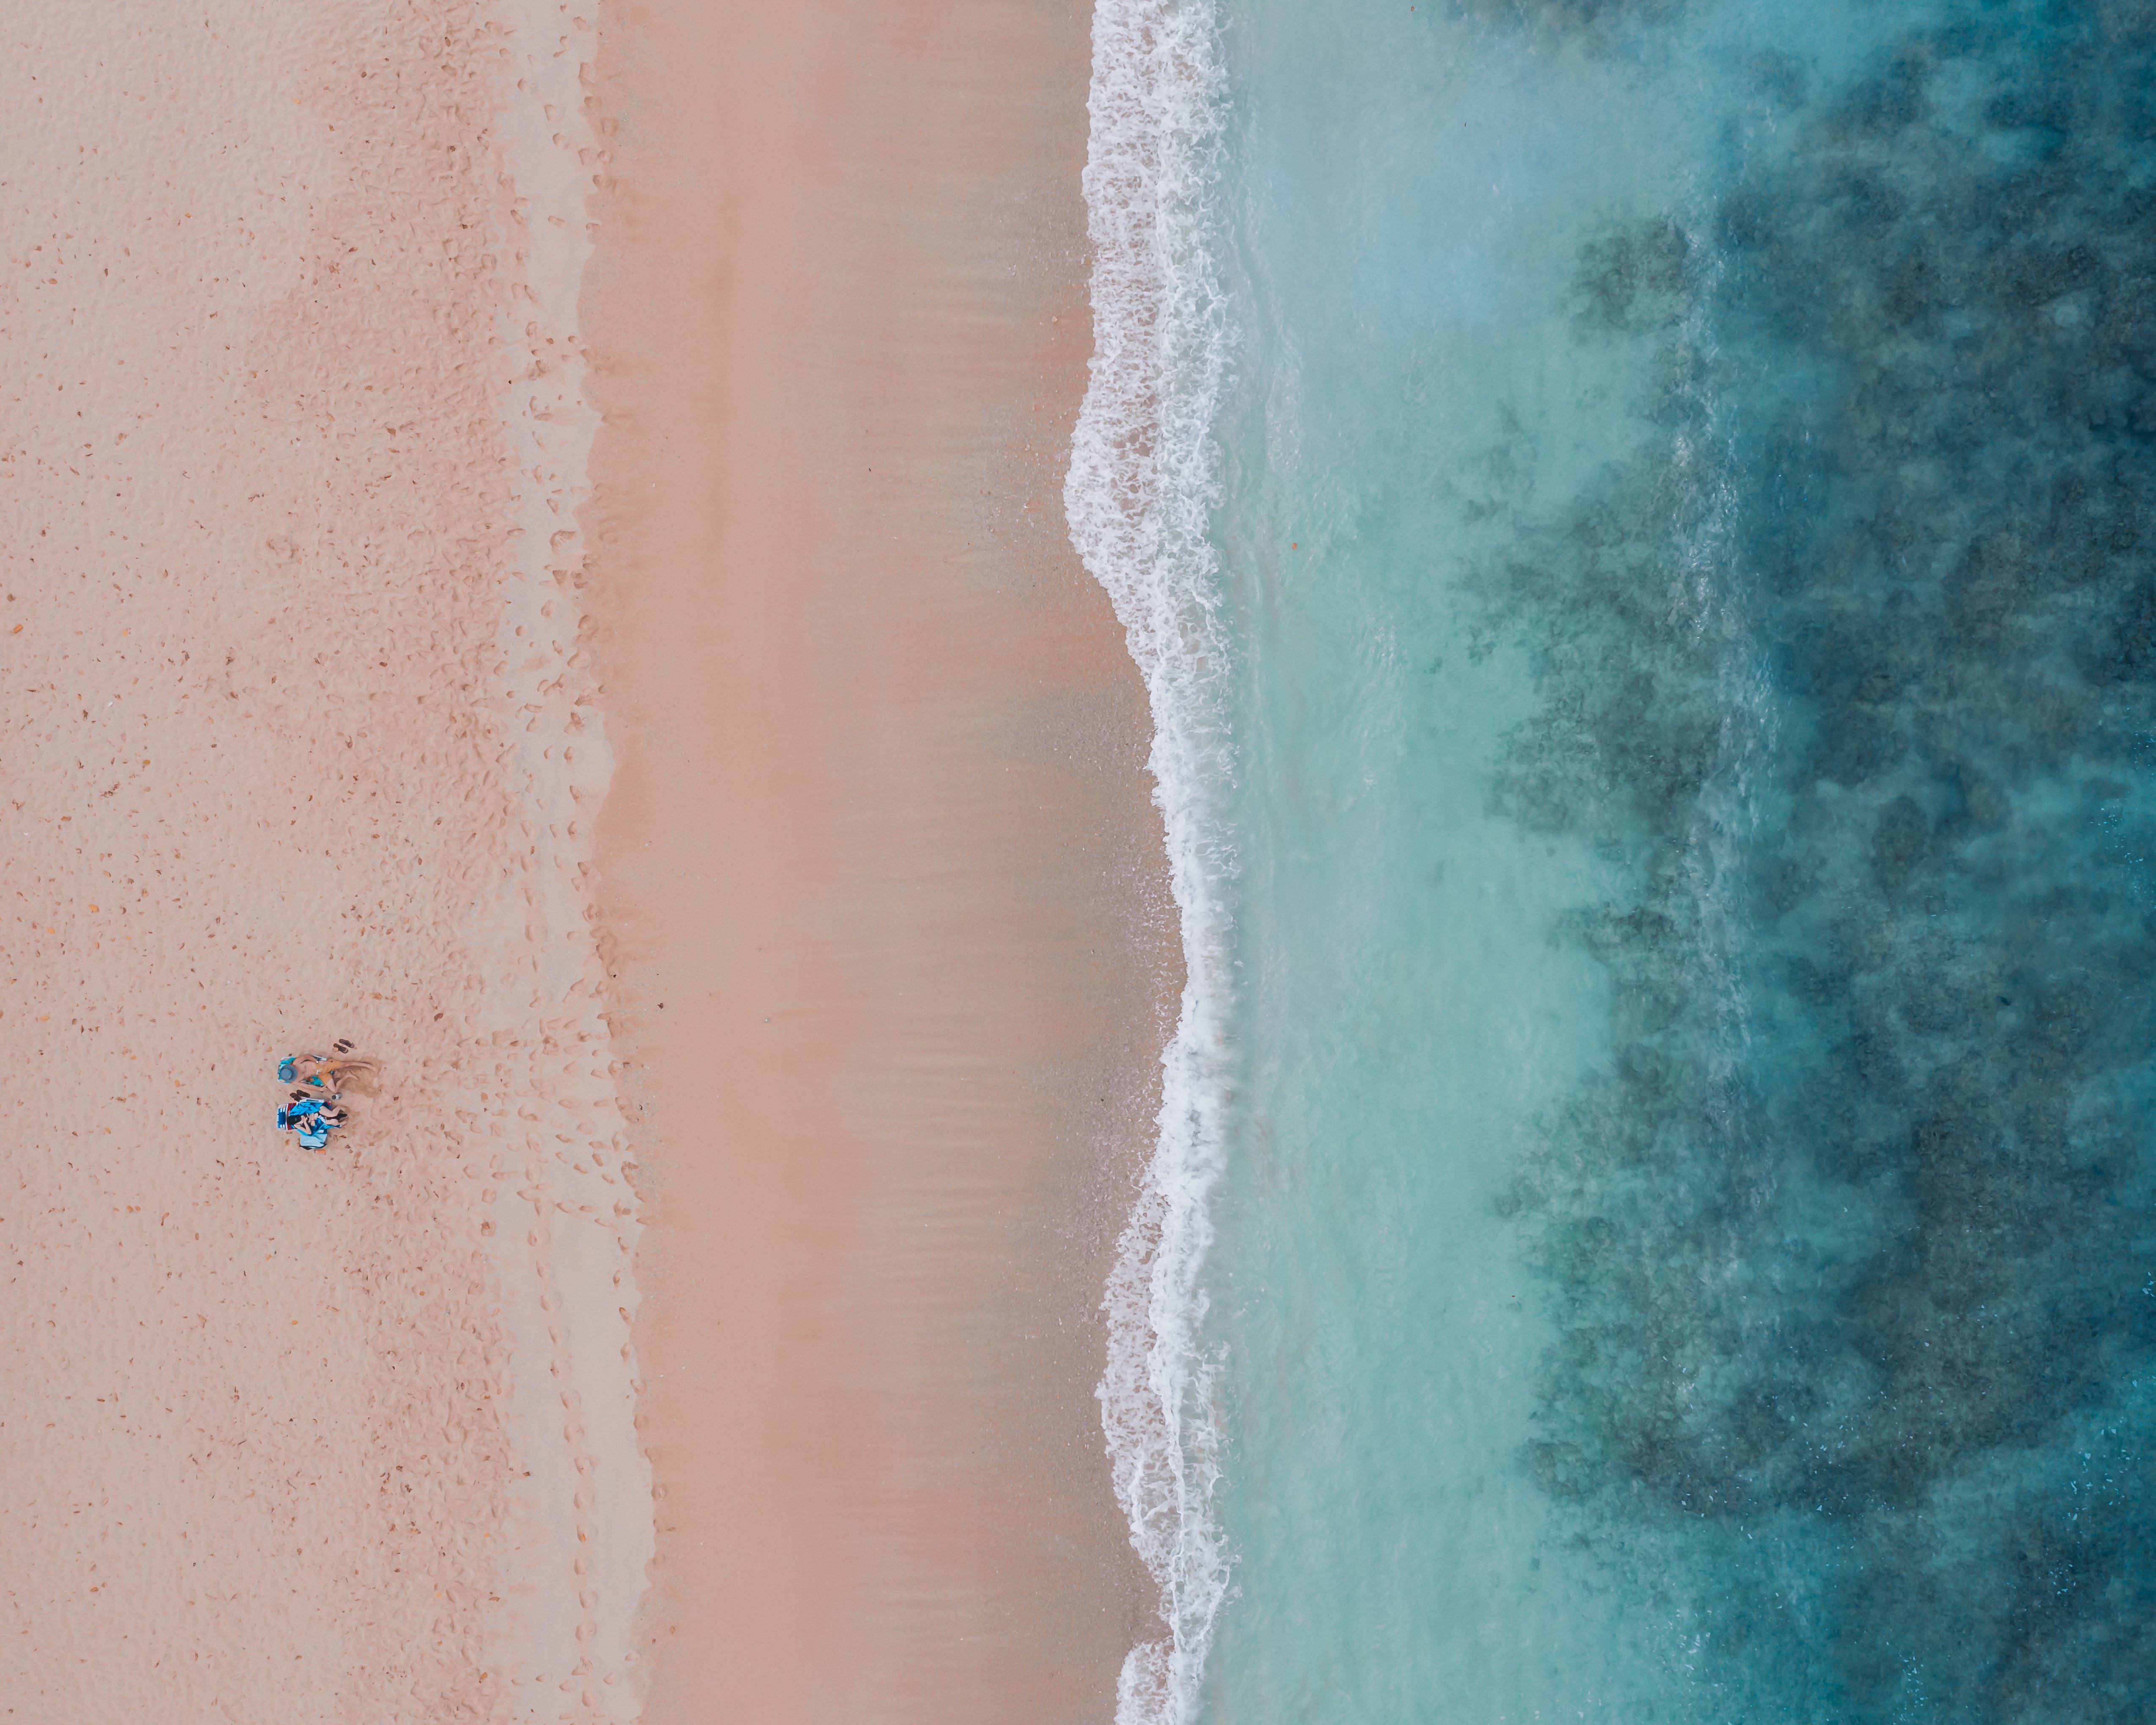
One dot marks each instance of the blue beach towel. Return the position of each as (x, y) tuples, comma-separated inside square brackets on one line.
[(307, 1119)]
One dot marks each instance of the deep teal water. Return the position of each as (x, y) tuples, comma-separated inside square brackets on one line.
[(1685, 507)]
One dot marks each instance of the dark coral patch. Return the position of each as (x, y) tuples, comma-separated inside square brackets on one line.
[(1854, 1240)]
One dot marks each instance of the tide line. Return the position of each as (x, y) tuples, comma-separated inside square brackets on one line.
[(1139, 497)]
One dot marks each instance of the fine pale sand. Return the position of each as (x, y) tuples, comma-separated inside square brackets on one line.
[(300, 744), (881, 848), (742, 872)]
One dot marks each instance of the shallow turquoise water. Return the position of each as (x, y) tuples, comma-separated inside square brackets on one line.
[(1683, 1246)]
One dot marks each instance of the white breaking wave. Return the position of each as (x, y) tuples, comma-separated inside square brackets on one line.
[(1140, 494)]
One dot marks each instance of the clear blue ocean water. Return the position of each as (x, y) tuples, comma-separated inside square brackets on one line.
[(1640, 521)]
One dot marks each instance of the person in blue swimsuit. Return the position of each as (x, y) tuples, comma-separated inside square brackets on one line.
[(324, 1071)]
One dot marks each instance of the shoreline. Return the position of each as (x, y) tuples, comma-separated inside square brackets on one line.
[(891, 958)]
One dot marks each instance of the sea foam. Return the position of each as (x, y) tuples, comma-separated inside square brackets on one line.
[(1139, 497)]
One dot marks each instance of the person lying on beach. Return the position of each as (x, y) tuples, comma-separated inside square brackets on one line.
[(320, 1069), (325, 1071)]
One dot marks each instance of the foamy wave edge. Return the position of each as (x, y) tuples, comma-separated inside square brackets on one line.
[(1139, 497)]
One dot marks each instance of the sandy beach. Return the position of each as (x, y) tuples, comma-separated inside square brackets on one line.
[(880, 843), (535, 546), (295, 747)]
